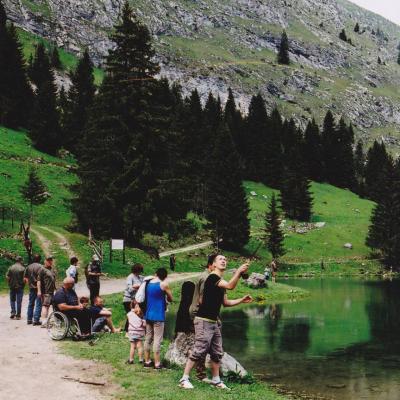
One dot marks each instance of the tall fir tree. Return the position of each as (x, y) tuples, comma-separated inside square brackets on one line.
[(15, 93), (234, 120), (274, 237), (80, 98), (359, 168), (357, 28), (329, 146), (312, 152), (283, 52), (34, 191), (228, 207), (55, 59), (255, 139), (398, 58), (343, 36), (45, 130), (378, 160)]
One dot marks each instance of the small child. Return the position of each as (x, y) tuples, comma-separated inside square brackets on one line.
[(84, 301), (136, 331)]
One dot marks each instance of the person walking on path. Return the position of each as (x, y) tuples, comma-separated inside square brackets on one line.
[(72, 270), (93, 278), (172, 262), (274, 270), (15, 278), (157, 295), (35, 301), (133, 282), (136, 332), (208, 338), (46, 286)]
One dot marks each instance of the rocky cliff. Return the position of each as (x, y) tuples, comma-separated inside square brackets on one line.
[(214, 44)]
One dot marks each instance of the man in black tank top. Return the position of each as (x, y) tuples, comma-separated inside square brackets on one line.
[(207, 327)]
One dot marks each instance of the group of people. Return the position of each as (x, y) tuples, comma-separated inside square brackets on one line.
[(90, 312), (145, 311)]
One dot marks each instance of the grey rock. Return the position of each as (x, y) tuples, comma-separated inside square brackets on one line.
[(256, 281)]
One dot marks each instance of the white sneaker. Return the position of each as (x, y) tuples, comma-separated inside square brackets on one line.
[(220, 385), (185, 384)]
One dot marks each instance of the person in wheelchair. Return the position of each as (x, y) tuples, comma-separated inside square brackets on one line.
[(66, 301), (101, 316)]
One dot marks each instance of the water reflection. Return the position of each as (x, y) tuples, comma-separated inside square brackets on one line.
[(342, 343)]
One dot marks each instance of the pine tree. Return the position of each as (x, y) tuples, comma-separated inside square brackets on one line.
[(34, 191), (359, 167), (342, 35), (398, 58), (377, 161), (379, 60), (312, 152), (80, 98), (15, 92), (55, 59), (283, 53), (357, 28), (228, 206), (234, 119), (256, 140), (274, 237), (329, 146), (45, 130)]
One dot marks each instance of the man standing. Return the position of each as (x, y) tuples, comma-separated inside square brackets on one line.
[(207, 327), (72, 270), (35, 301), (172, 262), (46, 285), (66, 301), (93, 278), (15, 278)]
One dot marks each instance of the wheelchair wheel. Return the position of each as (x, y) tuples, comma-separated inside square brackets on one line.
[(57, 325)]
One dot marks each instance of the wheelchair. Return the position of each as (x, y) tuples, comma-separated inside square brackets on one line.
[(59, 326)]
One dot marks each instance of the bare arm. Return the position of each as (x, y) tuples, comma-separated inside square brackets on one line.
[(39, 287), (105, 313), (232, 303), (66, 307), (235, 278), (167, 290)]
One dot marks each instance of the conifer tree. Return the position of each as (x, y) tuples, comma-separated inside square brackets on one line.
[(283, 53), (313, 156), (377, 161), (342, 35), (357, 28), (228, 206), (80, 98), (234, 120), (34, 191), (55, 59), (15, 93), (273, 233), (255, 140), (359, 168), (398, 58), (40, 72), (329, 146)]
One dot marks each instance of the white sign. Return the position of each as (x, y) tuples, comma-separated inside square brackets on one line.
[(117, 244)]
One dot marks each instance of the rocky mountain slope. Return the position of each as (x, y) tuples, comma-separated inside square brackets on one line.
[(214, 44)]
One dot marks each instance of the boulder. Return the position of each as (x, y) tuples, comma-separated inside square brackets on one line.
[(179, 349), (256, 280), (348, 246)]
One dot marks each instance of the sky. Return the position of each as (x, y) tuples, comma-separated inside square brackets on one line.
[(390, 9)]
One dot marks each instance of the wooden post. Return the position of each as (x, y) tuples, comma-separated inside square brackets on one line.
[(110, 251), (123, 254)]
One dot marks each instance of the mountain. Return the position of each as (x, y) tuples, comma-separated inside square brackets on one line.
[(216, 44)]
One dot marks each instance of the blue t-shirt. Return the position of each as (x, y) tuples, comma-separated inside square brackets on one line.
[(155, 303), (95, 311)]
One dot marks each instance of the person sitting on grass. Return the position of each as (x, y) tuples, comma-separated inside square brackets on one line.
[(101, 316), (66, 301), (207, 326), (136, 331)]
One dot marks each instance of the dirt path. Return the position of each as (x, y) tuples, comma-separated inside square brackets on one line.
[(28, 357), (186, 249), (32, 366), (44, 243), (63, 242)]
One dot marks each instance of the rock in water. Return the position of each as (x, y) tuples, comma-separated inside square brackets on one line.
[(256, 280), (179, 349)]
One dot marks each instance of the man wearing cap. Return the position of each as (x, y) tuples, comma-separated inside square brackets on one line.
[(46, 285), (35, 301), (93, 278), (15, 278)]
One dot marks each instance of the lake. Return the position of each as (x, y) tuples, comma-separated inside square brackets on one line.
[(341, 343)]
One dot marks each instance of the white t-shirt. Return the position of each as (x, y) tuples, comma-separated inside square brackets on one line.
[(71, 272)]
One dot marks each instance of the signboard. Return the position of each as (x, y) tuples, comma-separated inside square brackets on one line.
[(117, 244)]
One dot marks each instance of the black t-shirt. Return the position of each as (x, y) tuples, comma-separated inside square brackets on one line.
[(213, 297), (96, 268), (63, 296)]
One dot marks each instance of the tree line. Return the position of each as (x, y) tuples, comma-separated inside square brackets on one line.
[(147, 154)]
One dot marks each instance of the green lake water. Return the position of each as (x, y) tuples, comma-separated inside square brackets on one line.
[(341, 343)]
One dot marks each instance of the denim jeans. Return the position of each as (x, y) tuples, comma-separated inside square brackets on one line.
[(16, 301), (34, 306)]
